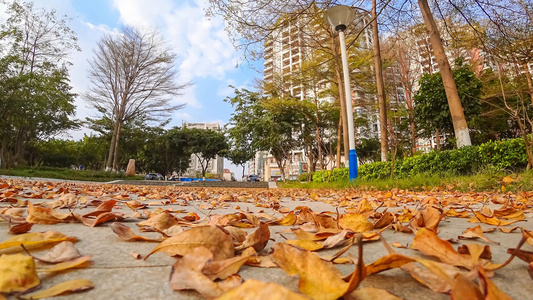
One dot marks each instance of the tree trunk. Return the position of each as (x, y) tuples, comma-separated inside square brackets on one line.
[(454, 102), (382, 102), (320, 160), (339, 138), (109, 163), (117, 140), (437, 138), (529, 81), (413, 131)]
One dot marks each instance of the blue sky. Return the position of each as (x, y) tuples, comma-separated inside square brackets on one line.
[(206, 56)]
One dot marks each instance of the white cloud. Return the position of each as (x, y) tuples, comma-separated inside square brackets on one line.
[(202, 44)]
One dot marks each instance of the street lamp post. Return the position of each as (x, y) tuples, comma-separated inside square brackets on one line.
[(339, 17)]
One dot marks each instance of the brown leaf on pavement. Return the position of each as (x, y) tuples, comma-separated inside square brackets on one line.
[(187, 274), (101, 218), (289, 219), (125, 233), (429, 218), (355, 222), (474, 233), (491, 291), (160, 221), (257, 239), (316, 279), (253, 289), (64, 288), (20, 228), (370, 293), (385, 220), (47, 216), (222, 269), (476, 252), (61, 252), (213, 238), (305, 244), (105, 207), (465, 289), (524, 255), (17, 273), (429, 243)]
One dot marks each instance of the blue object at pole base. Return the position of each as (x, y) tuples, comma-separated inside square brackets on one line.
[(352, 164)]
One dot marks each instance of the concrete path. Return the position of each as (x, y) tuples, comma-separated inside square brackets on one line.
[(116, 274)]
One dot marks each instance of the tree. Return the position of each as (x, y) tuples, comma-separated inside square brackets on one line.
[(132, 75), (35, 97), (205, 144), (454, 102), (431, 105), (258, 120), (240, 156)]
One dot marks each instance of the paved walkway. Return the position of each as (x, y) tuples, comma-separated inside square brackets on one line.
[(116, 274)]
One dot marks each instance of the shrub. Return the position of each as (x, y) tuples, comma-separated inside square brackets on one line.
[(498, 155)]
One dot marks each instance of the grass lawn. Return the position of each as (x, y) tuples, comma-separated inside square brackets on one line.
[(69, 174), (483, 181)]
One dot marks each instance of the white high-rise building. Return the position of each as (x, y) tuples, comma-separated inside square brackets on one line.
[(285, 52)]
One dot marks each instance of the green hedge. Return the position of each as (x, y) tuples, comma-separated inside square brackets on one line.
[(499, 155)]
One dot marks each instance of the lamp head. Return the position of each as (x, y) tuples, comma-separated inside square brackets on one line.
[(339, 16)]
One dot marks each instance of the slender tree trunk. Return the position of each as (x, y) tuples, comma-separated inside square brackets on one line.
[(339, 138), (529, 81), (318, 140), (413, 133), (454, 102), (437, 138), (109, 163), (382, 102), (117, 141)]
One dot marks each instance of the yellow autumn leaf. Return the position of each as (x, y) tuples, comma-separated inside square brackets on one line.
[(355, 222), (17, 273), (305, 244), (63, 288), (35, 240)]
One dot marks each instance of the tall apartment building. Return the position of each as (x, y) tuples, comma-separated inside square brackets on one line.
[(285, 52), (216, 165)]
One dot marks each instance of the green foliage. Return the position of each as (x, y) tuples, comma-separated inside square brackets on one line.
[(35, 97), (498, 155), (431, 104)]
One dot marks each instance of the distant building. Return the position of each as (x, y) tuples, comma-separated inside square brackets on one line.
[(216, 165)]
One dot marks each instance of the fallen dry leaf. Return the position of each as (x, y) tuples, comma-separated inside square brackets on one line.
[(35, 240), (76, 263), (187, 274), (17, 273), (253, 289), (316, 279), (474, 233), (370, 293), (64, 288), (257, 239), (222, 269), (465, 289), (429, 243), (355, 222), (61, 252), (213, 238), (125, 233)]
